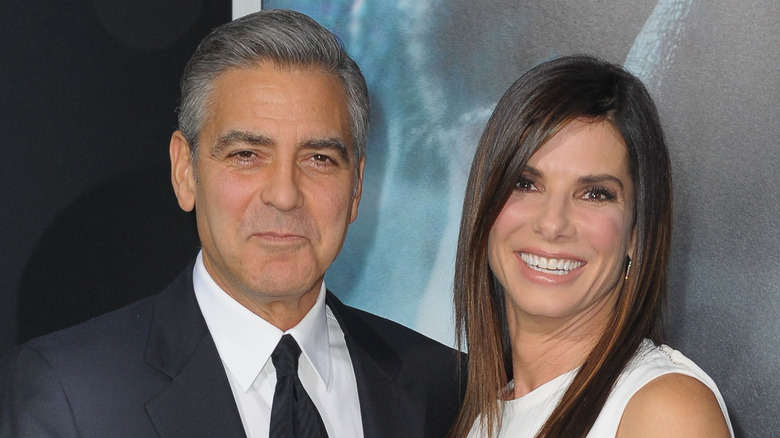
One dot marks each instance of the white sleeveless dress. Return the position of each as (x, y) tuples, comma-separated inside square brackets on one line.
[(524, 417)]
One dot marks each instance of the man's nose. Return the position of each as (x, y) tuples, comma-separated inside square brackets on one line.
[(281, 186)]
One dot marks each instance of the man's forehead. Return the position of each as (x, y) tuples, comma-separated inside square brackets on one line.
[(269, 90), (284, 69)]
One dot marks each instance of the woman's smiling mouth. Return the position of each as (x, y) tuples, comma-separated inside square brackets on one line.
[(550, 266)]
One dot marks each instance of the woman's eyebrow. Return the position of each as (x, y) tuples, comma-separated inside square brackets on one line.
[(532, 170), (594, 179), (587, 179)]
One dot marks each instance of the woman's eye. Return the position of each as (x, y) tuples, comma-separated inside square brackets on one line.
[(599, 194), (525, 185)]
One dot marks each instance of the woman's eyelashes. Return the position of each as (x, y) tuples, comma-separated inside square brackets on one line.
[(599, 193), (594, 193), (526, 184)]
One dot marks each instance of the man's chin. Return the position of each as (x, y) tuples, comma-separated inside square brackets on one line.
[(290, 286)]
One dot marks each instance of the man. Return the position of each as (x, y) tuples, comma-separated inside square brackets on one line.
[(270, 155)]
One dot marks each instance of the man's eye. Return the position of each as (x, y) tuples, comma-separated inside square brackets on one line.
[(323, 160), (242, 157), (244, 154)]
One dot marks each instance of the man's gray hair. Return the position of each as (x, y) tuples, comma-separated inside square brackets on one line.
[(286, 38)]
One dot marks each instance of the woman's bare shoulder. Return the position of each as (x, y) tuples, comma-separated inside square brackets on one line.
[(673, 405)]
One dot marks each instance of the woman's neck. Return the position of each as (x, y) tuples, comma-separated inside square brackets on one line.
[(545, 348), (537, 359)]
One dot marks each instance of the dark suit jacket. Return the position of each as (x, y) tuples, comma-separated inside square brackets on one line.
[(152, 369)]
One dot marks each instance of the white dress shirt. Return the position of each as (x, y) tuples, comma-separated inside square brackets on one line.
[(245, 342)]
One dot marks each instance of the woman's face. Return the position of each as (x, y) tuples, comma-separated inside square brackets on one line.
[(559, 244)]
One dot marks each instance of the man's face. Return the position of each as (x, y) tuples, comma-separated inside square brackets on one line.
[(274, 182)]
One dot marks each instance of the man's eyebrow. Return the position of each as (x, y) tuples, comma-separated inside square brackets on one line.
[(333, 144), (244, 137)]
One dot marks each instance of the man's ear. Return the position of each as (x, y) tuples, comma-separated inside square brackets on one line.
[(182, 171), (358, 191)]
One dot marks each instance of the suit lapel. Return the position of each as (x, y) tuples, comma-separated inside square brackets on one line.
[(386, 410), (198, 401)]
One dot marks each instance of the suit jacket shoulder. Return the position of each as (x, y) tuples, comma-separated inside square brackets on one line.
[(134, 372), (49, 382)]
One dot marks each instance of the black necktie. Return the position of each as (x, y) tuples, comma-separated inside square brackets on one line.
[(293, 414)]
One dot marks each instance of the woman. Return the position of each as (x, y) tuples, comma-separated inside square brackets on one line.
[(561, 267)]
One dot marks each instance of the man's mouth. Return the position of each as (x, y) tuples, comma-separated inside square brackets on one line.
[(550, 266), (278, 236)]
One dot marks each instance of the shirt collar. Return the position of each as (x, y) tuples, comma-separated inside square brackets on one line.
[(245, 341)]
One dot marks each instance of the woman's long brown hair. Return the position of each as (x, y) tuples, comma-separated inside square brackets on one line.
[(531, 111)]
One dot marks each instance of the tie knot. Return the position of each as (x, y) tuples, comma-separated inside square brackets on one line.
[(285, 356)]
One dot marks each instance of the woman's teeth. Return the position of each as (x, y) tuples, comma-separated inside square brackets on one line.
[(550, 266)]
